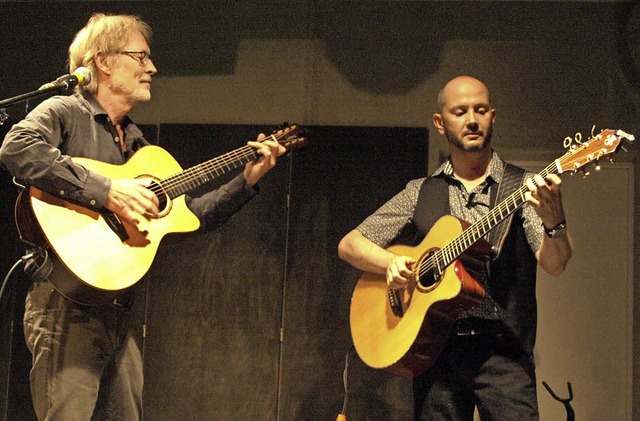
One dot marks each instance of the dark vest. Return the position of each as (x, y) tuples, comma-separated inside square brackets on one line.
[(511, 277)]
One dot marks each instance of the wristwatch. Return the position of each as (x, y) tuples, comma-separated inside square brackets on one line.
[(557, 231)]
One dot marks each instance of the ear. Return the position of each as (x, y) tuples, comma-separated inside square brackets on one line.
[(438, 122), (103, 62)]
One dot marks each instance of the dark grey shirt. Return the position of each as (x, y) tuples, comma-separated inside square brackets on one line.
[(38, 150)]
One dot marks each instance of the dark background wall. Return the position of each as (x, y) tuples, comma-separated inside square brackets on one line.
[(216, 304)]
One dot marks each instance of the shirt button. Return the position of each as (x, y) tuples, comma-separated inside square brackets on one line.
[(92, 202), (116, 139), (62, 193)]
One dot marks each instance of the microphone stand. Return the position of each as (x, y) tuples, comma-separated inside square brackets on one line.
[(57, 87), (565, 401)]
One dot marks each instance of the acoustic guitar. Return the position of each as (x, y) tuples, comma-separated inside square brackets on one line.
[(100, 256), (404, 331)]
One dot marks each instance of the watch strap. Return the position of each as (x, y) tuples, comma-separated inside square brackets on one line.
[(557, 231)]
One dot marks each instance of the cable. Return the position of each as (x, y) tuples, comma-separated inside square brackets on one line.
[(345, 377), (6, 278), (22, 260)]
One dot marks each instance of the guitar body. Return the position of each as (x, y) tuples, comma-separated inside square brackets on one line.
[(100, 263), (410, 344)]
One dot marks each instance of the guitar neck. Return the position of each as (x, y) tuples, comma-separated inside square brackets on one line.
[(194, 177), (480, 228)]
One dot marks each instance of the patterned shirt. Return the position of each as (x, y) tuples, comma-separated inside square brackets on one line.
[(385, 224)]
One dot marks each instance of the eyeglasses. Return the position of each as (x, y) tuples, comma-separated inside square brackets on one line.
[(142, 56)]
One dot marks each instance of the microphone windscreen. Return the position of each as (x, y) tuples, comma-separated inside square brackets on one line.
[(83, 74)]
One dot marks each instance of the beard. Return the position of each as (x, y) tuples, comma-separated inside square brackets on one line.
[(136, 93), (458, 143)]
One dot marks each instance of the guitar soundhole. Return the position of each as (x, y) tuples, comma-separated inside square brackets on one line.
[(428, 273), (429, 280), (163, 198)]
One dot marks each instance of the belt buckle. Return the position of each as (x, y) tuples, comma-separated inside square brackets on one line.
[(467, 332), (123, 301)]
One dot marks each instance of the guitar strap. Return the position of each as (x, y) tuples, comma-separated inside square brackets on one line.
[(433, 203), (39, 266), (512, 179)]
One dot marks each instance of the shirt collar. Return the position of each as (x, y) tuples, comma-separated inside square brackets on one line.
[(99, 114), (93, 104), (496, 168)]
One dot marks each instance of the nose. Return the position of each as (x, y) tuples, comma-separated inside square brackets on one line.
[(472, 121), (151, 68)]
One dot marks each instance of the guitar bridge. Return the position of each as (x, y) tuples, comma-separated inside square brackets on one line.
[(116, 225), (395, 301)]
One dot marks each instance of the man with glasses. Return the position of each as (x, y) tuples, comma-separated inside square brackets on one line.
[(86, 363)]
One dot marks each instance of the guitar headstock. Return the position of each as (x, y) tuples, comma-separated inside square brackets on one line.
[(291, 136), (605, 143)]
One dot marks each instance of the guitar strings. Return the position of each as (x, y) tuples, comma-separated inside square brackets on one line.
[(446, 255), (443, 257), (179, 183)]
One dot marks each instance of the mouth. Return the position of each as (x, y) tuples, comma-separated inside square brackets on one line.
[(474, 135)]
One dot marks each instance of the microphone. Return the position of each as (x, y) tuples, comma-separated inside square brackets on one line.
[(469, 204), (81, 76)]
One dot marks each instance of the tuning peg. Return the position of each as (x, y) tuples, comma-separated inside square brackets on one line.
[(626, 135), (596, 164)]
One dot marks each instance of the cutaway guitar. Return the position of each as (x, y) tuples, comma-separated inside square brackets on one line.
[(405, 331), (105, 255)]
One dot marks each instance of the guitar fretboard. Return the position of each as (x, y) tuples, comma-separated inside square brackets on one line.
[(198, 175), (205, 172), (605, 143), (443, 257)]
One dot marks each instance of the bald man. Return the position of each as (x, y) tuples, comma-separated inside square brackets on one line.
[(487, 359)]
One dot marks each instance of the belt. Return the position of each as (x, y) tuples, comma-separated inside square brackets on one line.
[(125, 300), (477, 327)]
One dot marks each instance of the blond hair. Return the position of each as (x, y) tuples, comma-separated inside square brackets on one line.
[(106, 34)]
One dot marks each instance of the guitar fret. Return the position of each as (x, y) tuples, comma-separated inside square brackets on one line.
[(188, 180), (197, 176), (440, 266)]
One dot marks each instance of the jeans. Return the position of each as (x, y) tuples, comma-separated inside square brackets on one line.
[(487, 371), (87, 365)]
